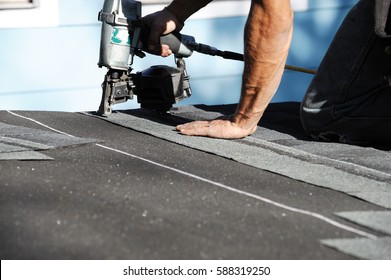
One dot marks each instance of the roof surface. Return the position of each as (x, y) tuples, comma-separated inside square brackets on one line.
[(76, 186)]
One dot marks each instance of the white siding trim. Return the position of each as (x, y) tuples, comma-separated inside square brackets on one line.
[(46, 15)]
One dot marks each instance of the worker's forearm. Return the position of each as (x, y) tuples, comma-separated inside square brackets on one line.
[(268, 33), (183, 9)]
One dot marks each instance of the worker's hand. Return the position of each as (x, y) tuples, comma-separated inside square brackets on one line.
[(223, 128), (160, 23)]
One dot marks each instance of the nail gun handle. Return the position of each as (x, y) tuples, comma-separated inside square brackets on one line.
[(177, 42)]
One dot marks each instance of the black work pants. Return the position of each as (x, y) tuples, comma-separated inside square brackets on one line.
[(349, 99)]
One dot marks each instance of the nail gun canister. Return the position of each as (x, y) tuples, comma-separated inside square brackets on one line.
[(115, 45)]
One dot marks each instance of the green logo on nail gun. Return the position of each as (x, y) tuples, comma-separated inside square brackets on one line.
[(120, 36)]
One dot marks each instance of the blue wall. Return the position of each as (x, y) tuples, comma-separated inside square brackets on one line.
[(55, 68)]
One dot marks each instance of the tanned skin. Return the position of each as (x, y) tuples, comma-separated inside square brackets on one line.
[(267, 38)]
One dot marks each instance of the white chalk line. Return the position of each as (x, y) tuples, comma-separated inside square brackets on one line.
[(223, 186), (37, 122)]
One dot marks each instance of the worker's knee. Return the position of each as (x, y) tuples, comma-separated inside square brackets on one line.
[(323, 125)]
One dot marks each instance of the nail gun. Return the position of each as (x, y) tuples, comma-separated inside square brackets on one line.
[(158, 87)]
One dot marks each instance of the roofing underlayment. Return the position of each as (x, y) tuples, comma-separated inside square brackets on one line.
[(128, 186)]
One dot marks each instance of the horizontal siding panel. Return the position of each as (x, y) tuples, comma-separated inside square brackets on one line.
[(79, 12), (40, 59)]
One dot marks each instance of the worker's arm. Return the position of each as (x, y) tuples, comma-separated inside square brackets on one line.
[(267, 38), (169, 19), (183, 9)]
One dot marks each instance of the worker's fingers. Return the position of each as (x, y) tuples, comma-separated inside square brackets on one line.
[(218, 128), (154, 41), (159, 23), (194, 128), (203, 124), (155, 47), (165, 51)]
